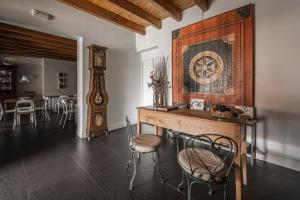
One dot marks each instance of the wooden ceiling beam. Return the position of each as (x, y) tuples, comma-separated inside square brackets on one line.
[(18, 42), (137, 11), (5, 43), (15, 35), (102, 13), (36, 34), (170, 9), (203, 4), (32, 53)]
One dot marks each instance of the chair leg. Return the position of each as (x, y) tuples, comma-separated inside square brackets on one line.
[(158, 168), (225, 190), (129, 161), (34, 119), (61, 119), (134, 172), (209, 189), (181, 183), (66, 118), (189, 187), (47, 115), (15, 121)]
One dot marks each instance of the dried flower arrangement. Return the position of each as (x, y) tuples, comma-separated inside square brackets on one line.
[(159, 81)]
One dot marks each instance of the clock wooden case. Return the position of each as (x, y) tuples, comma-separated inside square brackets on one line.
[(97, 98)]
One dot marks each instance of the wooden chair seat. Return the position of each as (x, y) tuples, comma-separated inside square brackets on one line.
[(189, 160), (145, 143)]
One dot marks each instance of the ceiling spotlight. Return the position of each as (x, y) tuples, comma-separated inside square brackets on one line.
[(42, 14)]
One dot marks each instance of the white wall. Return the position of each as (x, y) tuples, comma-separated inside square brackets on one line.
[(277, 93), (44, 72), (51, 69), (28, 66), (123, 68)]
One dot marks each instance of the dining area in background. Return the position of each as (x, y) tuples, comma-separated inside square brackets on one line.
[(37, 90), (39, 109)]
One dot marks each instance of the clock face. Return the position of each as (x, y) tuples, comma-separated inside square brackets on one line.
[(98, 120), (99, 59)]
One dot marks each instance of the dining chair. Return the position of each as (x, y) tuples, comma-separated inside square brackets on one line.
[(207, 159), (24, 107), (66, 112), (44, 107), (143, 144), (1, 112), (57, 104)]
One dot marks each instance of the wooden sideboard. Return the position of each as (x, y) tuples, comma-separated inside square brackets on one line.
[(8, 81), (195, 122)]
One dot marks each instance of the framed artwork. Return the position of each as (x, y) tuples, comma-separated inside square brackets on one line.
[(197, 104), (213, 59)]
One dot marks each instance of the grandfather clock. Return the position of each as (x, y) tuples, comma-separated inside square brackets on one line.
[(97, 97)]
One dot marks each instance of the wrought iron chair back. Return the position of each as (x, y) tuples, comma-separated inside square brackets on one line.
[(210, 158), (214, 143)]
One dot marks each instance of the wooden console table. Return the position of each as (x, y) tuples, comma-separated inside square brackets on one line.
[(198, 122)]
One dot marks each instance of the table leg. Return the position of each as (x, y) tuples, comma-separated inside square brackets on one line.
[(159, 131), (244, 155), (238, 185)]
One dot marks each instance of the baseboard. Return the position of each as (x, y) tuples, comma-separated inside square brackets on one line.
[(279, 160)]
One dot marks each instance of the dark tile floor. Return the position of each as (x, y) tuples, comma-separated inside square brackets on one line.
[(49, 163)]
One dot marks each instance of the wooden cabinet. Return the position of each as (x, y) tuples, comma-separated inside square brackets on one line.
[(8, 82), (97, 98)]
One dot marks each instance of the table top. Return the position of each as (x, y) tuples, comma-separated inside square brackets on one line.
[(14, 100), (199, 114)]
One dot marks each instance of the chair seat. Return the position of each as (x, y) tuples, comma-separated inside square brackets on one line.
[(145, 142), (189, 160), (9, 111)]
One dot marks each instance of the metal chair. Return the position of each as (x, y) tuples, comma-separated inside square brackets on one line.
[(142, 144), (66, 112), (24, 107), (57, 105), (44, 107), (1, 112), (207, 159)]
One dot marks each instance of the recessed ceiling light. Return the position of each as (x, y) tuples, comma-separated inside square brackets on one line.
[(42, 14)]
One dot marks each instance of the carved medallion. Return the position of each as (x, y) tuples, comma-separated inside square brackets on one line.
[(98, 120), (206, 67), (98, 99)]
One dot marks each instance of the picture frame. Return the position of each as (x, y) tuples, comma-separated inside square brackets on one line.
[(197, 104)]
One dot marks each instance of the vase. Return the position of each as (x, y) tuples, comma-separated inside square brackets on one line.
[(159, 98)]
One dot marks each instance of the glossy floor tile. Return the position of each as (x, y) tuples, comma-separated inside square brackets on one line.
[(49, 163)]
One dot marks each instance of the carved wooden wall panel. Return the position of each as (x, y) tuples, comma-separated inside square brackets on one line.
[(213, 59)]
